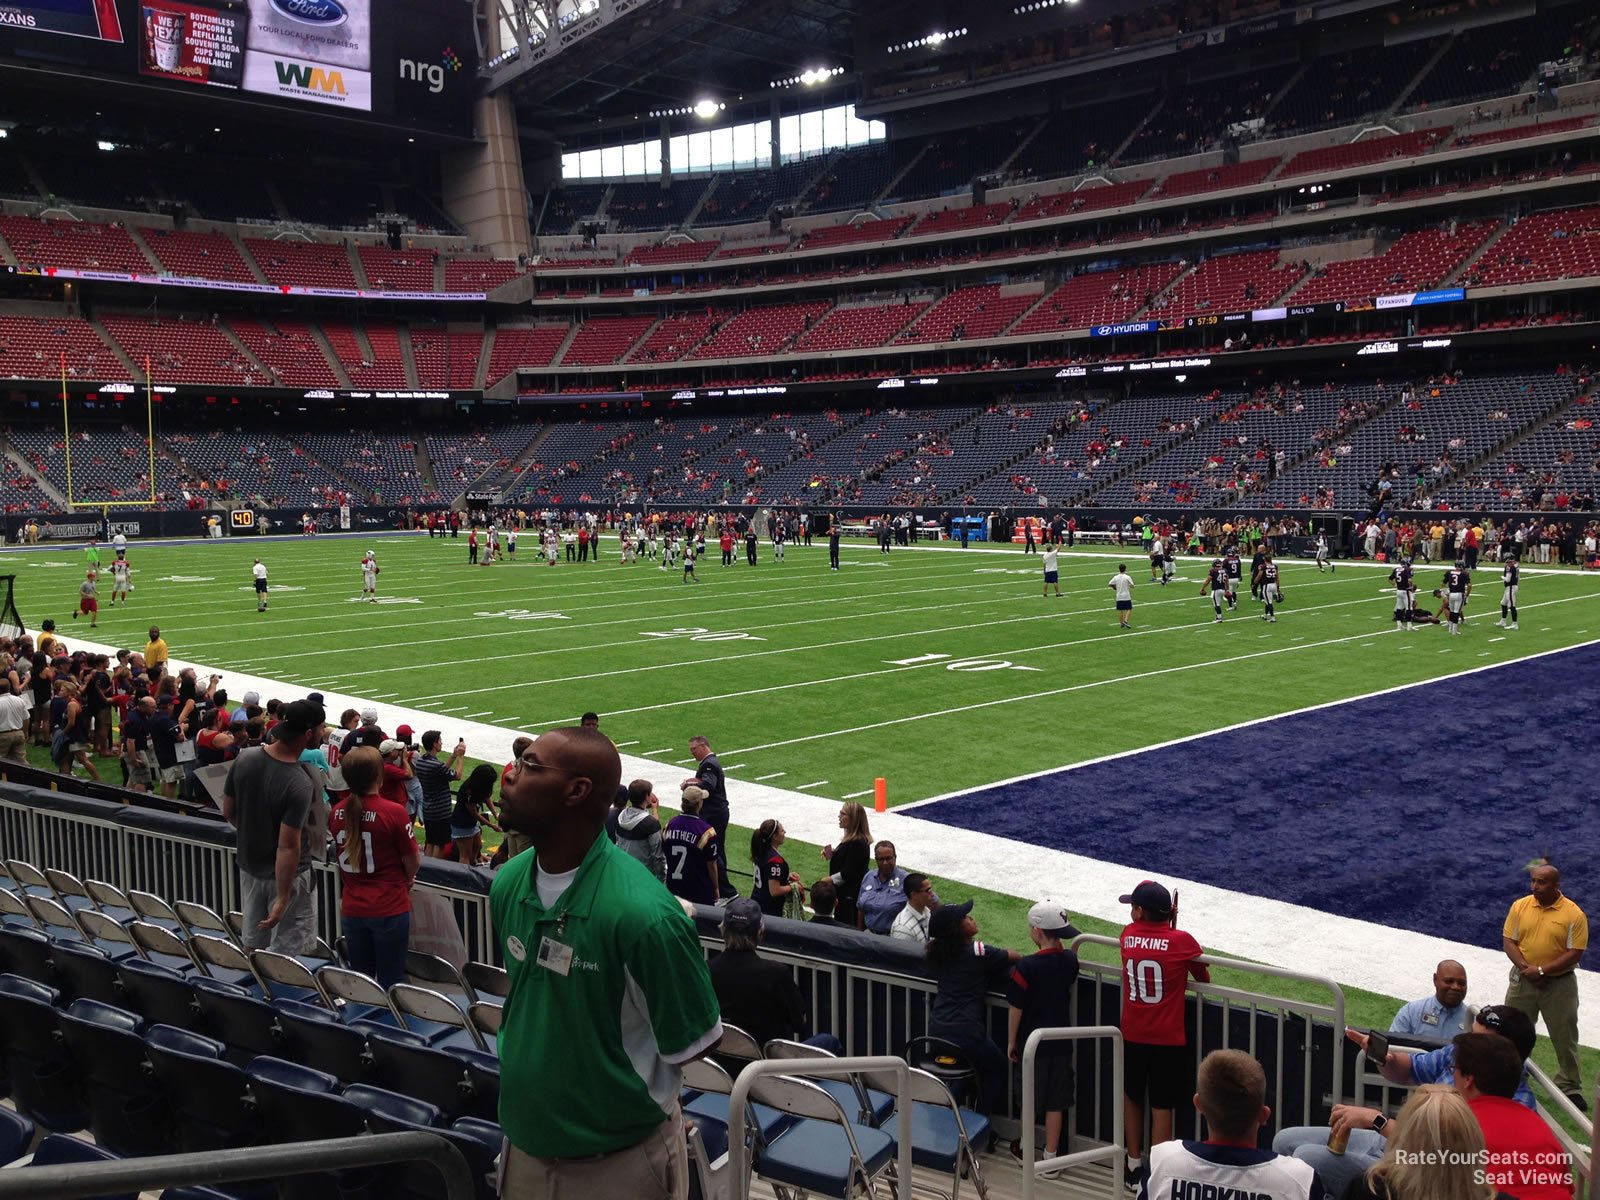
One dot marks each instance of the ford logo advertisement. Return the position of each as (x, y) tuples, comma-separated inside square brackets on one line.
[(312, 12)]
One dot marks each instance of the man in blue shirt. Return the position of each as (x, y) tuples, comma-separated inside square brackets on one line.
[(883, 892), (1442, 1015), (1367, 1129)]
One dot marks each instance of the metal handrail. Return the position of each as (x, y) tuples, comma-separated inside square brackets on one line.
[(1112, 1151), (1335, 1010), (73, 1180), (739, 1104)]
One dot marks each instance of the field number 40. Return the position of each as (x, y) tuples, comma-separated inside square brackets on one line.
[(961, 664), (697, 634)]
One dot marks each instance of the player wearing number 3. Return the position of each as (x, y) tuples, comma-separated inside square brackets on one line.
[(1157, 960)]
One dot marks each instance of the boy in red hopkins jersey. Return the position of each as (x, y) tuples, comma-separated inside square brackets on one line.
[(1157, 960)]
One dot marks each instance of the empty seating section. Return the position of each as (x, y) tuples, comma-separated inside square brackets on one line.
[(195, 255), (523, 346), (852, 179), (226, 195), (1336, 90), (1193, 116), (380, 366), (651, 206), (683, 460), (109, 462), (1561, 456), (565, 208), (1087, 453), (397, 270), (256, 464), (1491, 60), (862, 325), (183, 351), (1421, 259), (601, 341), (1549, 245), (952, 159), (748, 195), (1365, 152), (287, 349), (446, 359), (32, 348), (81, 174), (774, 454), (1427, 433), (1007, 430), (335, 200), (481, 454), (478, 274), (1079, 139), (385, 465), (565, 453), (1229, 283), (858, 231), (880, 441), (1092, 299), (1086, 199), (77, 244), (1489, 137), (1213, 179), (1233, 457), (675, 335), (760, 331), (970, 312), (670, 254), (308, 264), (950, 220)]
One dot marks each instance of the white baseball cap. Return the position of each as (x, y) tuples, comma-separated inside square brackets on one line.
[(1050, 916)]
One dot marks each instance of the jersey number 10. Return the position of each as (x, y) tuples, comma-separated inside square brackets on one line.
[(1145, 980)]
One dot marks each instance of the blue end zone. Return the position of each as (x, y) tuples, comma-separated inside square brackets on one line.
[(1418, 809)]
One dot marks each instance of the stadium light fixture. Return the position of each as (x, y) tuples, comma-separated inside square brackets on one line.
[(105, 145), (937, 38), (810, 77), (706, 109), (4, 132)]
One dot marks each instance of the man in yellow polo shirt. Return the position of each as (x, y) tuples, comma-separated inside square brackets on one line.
[(155, 653), (1544, 937)]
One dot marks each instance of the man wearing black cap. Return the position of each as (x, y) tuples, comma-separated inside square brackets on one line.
[(757, 995), (1157, 960), (269, 797)]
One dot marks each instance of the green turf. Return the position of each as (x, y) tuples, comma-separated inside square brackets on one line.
[(795, 672)]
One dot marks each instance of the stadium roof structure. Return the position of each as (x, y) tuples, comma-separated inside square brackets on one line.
[(664, 54)]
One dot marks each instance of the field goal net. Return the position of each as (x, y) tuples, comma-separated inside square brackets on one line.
[(10, 621)]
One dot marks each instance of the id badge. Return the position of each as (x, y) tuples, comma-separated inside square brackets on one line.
[(554, 956)]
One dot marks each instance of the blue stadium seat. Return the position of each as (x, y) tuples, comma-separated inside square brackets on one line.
[(246, 1024), (44, 1083), (820, 1150), (298, 1104), (944, 1137), (867, 1106), (707, 1087), (127, 1113), (85, 972), (58, 1150), (16, 1135), (461, 1082), (209, 1097), (390, 1112), (315, 1035), (26, 952), (159, 994)]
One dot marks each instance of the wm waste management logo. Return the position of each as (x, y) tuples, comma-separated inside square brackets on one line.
[(302, 79)]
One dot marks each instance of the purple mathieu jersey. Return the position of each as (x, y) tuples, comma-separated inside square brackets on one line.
[(689, 857)]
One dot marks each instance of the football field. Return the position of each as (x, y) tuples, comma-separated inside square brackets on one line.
[(1297, 778), (937, 669)]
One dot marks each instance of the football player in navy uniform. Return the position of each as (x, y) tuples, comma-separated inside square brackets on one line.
[(1255, 571), (1266, 586), (1510, 576), (1405, 596), (1216, 582), (1230, 563), (1457, 588)]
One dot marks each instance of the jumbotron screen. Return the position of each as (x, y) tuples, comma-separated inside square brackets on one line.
[(412, 61)]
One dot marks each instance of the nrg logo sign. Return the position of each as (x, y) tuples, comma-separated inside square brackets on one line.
[(431, 73)]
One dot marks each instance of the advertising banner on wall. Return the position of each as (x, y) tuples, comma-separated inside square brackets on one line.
[(315, 50), (189, 43)]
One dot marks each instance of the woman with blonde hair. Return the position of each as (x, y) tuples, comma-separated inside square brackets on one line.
[(1435, 1152), (851, 859)]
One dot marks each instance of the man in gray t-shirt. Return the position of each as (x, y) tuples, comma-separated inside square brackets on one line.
[(270, 799)]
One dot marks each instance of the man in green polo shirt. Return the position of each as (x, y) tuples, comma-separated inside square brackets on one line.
[(609, 992)]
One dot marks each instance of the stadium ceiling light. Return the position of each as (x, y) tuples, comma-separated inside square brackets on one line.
[(937, 38), (706, 109), (810, 77), (105, 145)]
